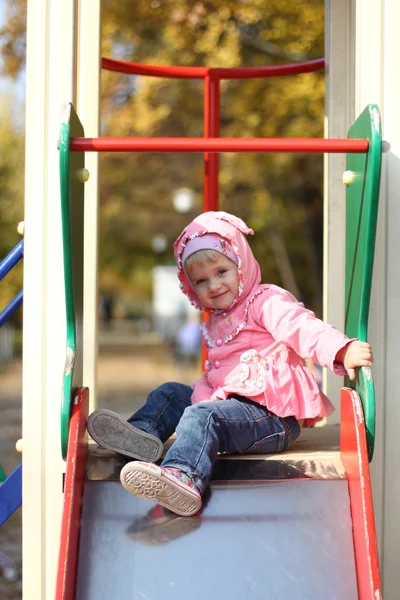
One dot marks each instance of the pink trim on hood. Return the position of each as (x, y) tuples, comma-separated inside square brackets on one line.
[(233, 230)]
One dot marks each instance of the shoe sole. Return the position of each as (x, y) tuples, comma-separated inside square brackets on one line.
[(153, 484), (111, 431)]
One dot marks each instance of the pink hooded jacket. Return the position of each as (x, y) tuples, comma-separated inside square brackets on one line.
[(256, 348)]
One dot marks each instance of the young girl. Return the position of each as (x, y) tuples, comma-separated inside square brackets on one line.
[(256, 392)]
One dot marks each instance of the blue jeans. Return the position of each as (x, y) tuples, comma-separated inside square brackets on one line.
[(233, 426)]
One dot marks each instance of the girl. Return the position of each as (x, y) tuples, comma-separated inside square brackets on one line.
[(256, 392)]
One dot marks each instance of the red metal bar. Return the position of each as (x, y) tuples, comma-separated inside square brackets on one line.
[(304, 145), (130, 68), (270, 71), (354, 455), (121, 66), (211, 130), (73, 491), (211, 159)]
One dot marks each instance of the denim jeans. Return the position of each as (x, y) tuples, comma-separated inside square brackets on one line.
[(233, 426)]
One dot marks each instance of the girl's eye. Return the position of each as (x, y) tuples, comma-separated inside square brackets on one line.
[(222, 271), (200, 281)]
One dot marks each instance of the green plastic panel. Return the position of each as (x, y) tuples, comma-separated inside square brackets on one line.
[(361, 218), (2, 475), (72, 212)]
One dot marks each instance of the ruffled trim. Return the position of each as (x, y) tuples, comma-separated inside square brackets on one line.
[(210, 341), (235, 221)]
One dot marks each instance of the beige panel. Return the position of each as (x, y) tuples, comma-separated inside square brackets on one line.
[(33, 401), (50, 82), (88, 112), (339, 116), (378, 51), (377, 46), (370, 88)]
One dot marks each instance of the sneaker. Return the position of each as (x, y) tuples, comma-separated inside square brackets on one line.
[(162, 485), (111, 431)]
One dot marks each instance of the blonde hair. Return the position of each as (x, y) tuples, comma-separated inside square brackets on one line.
[(202, 256)]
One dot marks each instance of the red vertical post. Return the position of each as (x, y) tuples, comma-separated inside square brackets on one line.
[(211, 130), (73, 497), (211, 159)]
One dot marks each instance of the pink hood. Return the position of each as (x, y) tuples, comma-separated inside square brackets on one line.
[(232, 229)]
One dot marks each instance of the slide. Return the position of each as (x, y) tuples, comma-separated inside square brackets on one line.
[(294, 525)]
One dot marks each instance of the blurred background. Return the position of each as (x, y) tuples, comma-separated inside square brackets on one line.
[(146, 199)]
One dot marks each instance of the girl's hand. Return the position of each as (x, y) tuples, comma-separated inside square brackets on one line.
[(356, 354)]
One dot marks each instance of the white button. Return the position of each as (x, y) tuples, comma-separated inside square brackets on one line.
[(217, 364), (219, 342)]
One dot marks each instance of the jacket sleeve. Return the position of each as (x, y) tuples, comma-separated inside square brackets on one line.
[(290, 323)]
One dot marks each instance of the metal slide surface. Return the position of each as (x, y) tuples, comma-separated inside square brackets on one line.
[(281, 540)]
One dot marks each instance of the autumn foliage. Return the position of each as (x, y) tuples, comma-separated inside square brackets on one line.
[(279, 195)]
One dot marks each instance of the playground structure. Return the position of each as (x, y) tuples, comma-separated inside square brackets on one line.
[(44, 330), (356, 573)]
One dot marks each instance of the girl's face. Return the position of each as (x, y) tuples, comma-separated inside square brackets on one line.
[(215, 283)]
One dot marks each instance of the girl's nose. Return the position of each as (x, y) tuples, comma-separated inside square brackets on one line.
[(214, 284)]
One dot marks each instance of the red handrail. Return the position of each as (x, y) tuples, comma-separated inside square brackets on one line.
[(211, 77), (130, 68), (305, 145)]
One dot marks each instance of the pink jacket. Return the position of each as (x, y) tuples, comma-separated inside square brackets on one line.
[(256, 348)]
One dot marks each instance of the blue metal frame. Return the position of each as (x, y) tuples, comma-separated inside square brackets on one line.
[(6, 265), (11, 488), (11, 259), (11, 307), (11, 494)]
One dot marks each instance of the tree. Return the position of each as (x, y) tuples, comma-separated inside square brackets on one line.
[(13, 37), (279, 195), (11, 196)]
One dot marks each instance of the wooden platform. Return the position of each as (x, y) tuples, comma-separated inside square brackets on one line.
[(315, 455)]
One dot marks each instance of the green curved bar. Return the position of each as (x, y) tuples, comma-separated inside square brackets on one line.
[(71, 191), (361, 218)]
